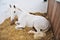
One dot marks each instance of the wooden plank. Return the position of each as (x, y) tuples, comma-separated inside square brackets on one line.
[(54, 16)]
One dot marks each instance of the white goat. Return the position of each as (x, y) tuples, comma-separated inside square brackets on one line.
[(26, 19), (38, 22)]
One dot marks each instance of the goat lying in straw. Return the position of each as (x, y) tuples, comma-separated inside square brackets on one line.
[(40, 23)]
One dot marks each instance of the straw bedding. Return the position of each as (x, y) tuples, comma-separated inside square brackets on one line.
[(8, 32)]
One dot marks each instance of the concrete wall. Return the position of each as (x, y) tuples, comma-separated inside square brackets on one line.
[(26, 5)]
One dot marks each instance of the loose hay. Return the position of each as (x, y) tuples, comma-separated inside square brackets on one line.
[(8, 32)]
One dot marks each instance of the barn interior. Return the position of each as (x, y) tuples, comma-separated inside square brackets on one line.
[(8, 31)]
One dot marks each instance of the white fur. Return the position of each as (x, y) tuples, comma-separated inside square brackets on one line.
[(12, 15), (26, 19), (39, 22)]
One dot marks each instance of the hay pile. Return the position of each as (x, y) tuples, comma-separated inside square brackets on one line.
[(8, 32)]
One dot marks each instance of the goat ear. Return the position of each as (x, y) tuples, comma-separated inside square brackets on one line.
[(14, 6), (45, 0)]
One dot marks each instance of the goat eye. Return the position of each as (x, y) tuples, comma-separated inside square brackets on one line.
[(14, 11)]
